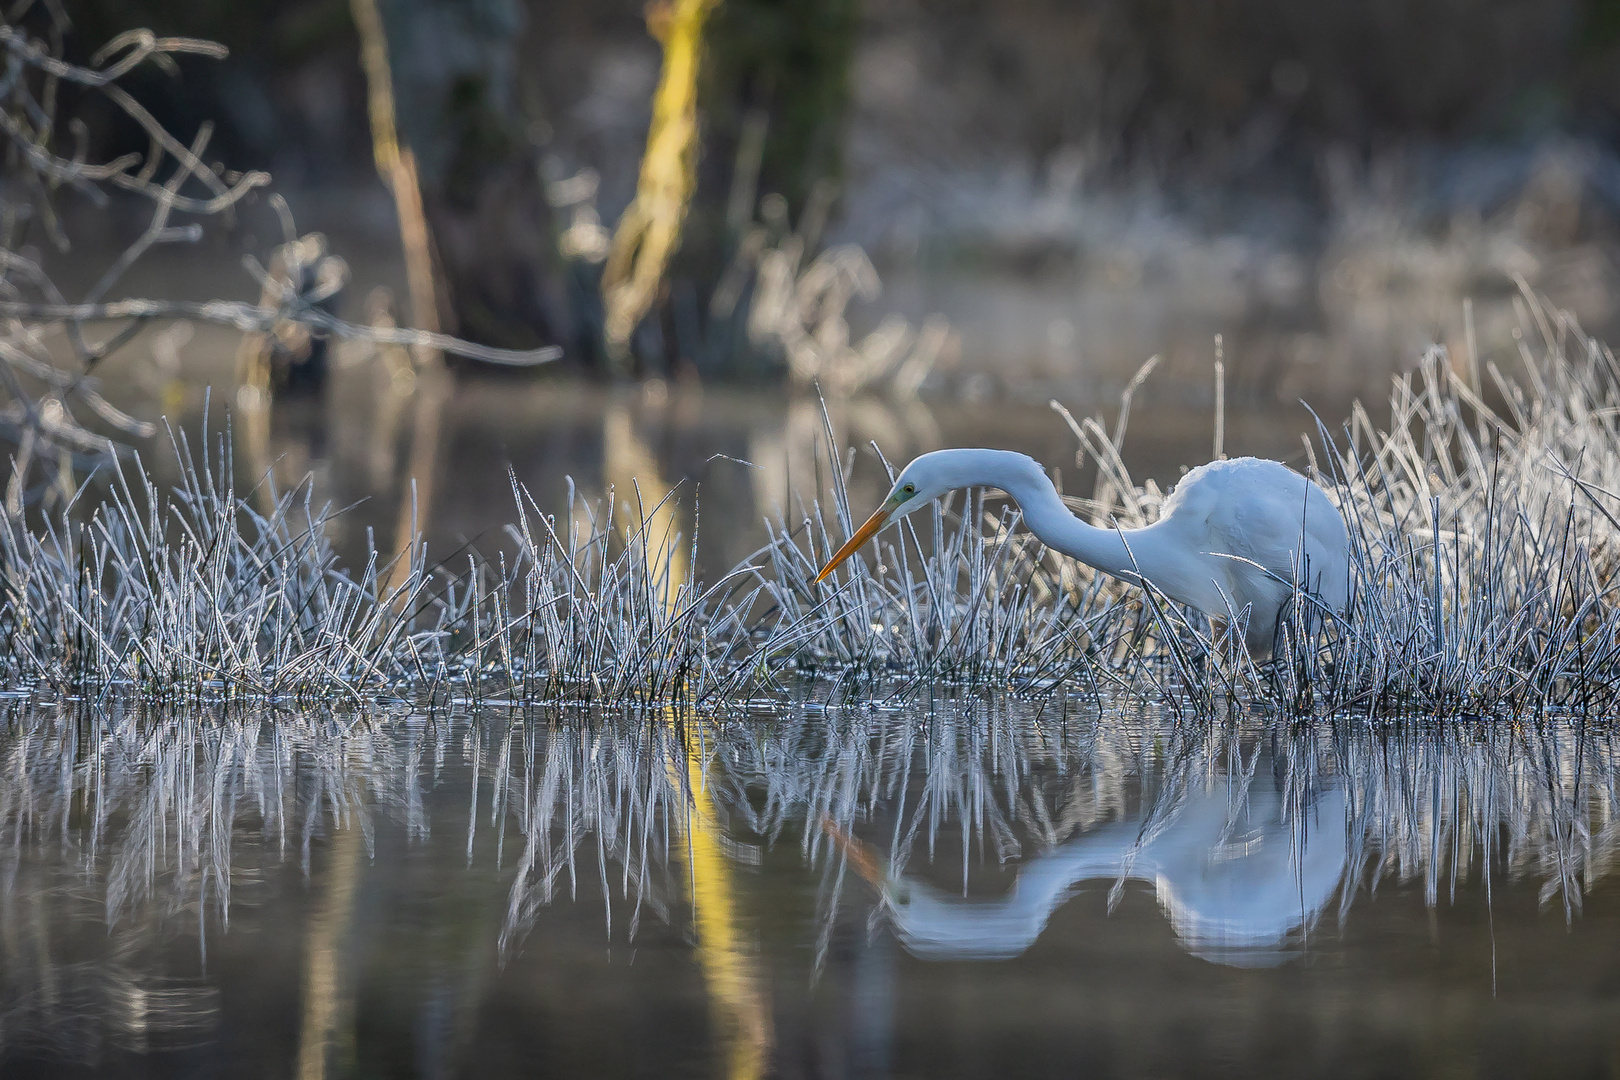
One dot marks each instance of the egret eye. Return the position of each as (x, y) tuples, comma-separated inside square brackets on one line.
[(908, 489)]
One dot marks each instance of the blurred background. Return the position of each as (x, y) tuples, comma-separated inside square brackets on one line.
[(940, 214), (758, 233)]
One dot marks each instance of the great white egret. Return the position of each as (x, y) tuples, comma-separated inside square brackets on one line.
[(1233, 535)]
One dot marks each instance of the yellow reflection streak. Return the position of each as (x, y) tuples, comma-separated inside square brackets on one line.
[(642, 499), (735, 989), (736, 992), (328, 1004)]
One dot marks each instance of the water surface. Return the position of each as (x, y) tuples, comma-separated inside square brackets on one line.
[(927, 888)]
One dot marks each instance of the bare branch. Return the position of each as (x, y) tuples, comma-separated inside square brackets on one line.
[(256, 318), (46, 154)]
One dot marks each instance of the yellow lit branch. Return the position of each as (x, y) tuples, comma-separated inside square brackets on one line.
[(397, 165), (650, 229)]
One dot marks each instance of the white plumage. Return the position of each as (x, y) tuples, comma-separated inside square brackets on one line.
[(1233, 538)]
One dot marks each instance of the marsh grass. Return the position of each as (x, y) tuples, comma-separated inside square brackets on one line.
[(1485, 525), (201, 592), (1484, 538), (195, 592)]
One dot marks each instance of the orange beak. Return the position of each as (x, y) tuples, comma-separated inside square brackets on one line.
[(860, 856), (862, 535)]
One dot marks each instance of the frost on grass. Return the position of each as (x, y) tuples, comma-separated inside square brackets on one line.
[(1485, 527), (200, 592), (1485, 534)]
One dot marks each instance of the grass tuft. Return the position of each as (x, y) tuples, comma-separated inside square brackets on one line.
[(1485, 526)]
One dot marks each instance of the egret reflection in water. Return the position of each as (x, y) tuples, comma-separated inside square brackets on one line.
[(148, 860), (1239, 874)]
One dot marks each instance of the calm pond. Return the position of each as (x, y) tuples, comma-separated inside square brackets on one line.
[(925, 888), (901, 885)]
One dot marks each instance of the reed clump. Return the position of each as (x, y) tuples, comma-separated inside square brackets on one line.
[(1484, 520), (1485, 530), (203, 592), (192, 592)]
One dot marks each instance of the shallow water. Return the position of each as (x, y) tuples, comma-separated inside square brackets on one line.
[(918, 888), (934, 888)]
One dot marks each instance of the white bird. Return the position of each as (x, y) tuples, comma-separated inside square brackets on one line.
[(1234, 536)]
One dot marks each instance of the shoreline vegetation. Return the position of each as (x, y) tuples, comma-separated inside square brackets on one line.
[(1483, 520), (1484, 539)]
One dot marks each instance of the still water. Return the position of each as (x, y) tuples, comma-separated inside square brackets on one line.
[(930, 887)]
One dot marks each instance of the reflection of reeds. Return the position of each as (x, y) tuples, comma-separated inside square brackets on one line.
[(1434, 805), (148, 822), (328, 998), (741, 1005)]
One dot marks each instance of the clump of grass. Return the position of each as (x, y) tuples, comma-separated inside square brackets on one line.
[(200, 592), (1485, 541), (192, 592), (595, 613), (1485, 527)]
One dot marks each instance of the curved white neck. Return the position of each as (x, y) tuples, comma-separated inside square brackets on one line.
[(1130, 554)]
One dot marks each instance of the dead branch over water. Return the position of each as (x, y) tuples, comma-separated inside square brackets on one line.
[(45, 407)]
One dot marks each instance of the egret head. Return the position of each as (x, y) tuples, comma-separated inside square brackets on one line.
[(920, 483)]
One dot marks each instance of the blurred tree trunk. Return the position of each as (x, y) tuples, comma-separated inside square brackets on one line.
[(780, 69), (650, 228), (768, 80), (453, 64), (774, 97)]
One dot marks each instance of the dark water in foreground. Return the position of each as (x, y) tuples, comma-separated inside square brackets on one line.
[(1056, 891)]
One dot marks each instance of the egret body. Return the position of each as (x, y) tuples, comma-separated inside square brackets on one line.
[(1233, 535)]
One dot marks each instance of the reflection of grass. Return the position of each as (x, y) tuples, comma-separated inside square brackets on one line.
[(149, 823), (1485, 538)]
